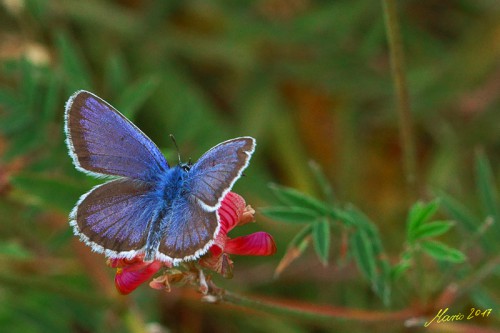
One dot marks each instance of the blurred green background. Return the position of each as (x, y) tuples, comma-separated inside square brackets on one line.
[(310, 80)]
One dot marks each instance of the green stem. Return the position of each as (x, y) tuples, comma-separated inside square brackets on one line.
[(403, 102), (480, 274), (311, 312), (466, 245)]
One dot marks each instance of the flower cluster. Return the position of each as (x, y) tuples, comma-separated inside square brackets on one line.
[(130, 273)]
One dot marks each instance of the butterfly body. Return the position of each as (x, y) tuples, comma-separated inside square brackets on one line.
[(171, 186), (167, 214)]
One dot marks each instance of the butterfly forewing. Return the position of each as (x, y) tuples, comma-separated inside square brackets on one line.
[(103, 142), (218, 169)]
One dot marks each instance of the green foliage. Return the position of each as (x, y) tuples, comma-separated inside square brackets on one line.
[(308, 79), (419, 214), (45, 191), (419, 230), (76, 72), (364, 243), (418, 225), (439, 251), (301, 208), (30, 110), (486, 189), (292, 197), (484, 224), (321, 239), (368, 252), (133, 97), (291, 214)]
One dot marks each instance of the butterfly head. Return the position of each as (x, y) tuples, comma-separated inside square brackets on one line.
[(186, 166)]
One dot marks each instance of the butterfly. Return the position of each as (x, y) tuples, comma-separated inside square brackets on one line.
[(147, 207)]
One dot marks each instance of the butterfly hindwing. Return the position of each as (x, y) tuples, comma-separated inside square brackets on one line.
[(114, 217), (190, 231), (102, 141)]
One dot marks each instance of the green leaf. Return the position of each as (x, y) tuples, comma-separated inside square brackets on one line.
[(382, 284), (321, 239), (486, 187), (432, 229), (9, 101), (460, 212), (290, 214), (399, 269), (47, 191), (51, 99), (76, 73), (440, 251), (369, 238), (362, 251), (361, 221), (482, 298), (28, 85), (292, 197), (22, 143), (322, 181), (295, 248), (300, 237), (14, 249), (134, 96), (345, 217), (116, 74), (419, 214)]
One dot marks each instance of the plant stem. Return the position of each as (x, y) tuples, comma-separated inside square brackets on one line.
[(306, 311), (479, 275), (402, 96)]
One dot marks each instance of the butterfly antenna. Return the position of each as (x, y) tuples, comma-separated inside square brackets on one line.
[(176, 147)]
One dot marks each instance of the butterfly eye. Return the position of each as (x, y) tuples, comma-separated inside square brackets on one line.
[(186, 167)]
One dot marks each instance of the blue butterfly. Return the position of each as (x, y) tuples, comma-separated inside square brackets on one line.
[(167, 214)]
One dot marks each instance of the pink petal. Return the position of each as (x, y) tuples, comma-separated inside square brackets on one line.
[(160, 283), (128, 278), (247, 216), (230, 211), (124, 262), (256, 244), (220, 242)]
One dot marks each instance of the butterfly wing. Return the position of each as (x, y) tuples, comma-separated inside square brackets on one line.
[(217, 170), (194, 222), (103, 142), (189, 233), (114, 217)]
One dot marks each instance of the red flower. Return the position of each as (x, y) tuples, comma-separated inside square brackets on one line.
[(130, 274), (232, 212)]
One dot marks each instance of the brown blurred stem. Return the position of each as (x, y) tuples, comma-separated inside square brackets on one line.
[(402, 96)]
